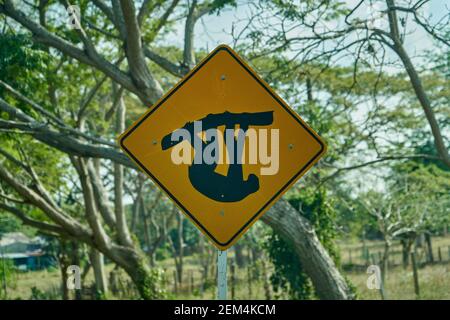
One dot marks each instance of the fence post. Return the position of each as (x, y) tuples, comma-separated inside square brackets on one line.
[(350, 256), (415, 275), (175, 282), (192, 281), (249, 279), (367, 256), (233, 279), (382, 289), (440, 254), (374, 260)]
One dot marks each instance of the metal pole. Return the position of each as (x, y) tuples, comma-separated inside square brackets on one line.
[(222, 275)]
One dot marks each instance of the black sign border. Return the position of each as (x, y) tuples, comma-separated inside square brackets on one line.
[(277, 99)]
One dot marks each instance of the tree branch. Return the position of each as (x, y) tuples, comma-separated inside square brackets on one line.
[(119, 210), (174, 69), (43, 36), (417, 85), (378, 160), (92, 215), (43, 226), (188, 53), (69, 224), (149, 89), (33, 124), (101, 197), (58, 140)]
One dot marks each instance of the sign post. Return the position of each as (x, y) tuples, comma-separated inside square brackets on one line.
[(222, 274)]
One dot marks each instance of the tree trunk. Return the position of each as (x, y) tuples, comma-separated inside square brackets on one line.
[(64, 262), (134, 216), (76, 260), (406, 250), (64, 278), (266, 280), (385, 260), (144, 281), (419, 241), (429, 248), (138, 201), (98, 266), (122, 228), (205, 262), (256, 254), (326, 278), (405, 253), (239, 255), (179, 260), (135, 265), (146, 226)]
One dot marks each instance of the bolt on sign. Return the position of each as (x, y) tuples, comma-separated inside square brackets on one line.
[(223, 146)]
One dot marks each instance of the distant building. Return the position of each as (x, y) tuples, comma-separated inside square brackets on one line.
[(25, 253)]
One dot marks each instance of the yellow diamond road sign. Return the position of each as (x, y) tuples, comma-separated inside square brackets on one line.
[(223, 146)]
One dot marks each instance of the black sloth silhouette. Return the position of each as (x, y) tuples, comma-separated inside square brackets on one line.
[(232, 187)]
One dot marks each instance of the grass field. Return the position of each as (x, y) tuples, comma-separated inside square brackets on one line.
[(434, 284), (434, 280)]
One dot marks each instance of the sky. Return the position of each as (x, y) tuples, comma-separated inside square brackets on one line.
[(214, 29)]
